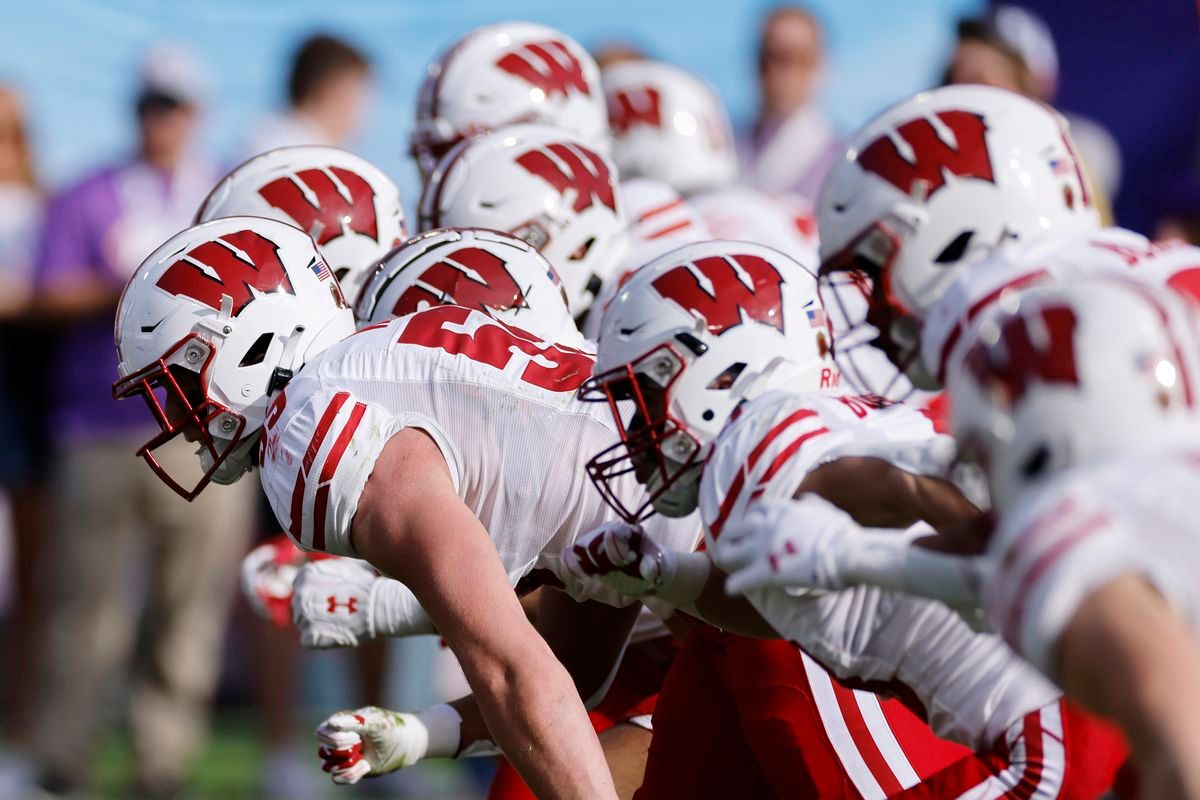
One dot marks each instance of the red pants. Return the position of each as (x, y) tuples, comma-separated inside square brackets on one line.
[(1055, 753), (741, 717), (633, 694)]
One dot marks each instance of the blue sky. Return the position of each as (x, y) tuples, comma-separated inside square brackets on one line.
[(76, 60)]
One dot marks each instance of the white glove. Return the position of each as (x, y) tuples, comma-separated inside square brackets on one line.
[(619, 556), (333, 604), (788, 543), (343, 602), (374, 741)]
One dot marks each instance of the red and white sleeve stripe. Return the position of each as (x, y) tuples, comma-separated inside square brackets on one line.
[(312, 502), (795, 429)]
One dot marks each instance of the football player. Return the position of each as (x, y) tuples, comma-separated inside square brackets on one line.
[(724, 357), (487, 270), (348, 206), (444, 448), (1082, 412), (944, 209), (504, 74), (757, 698)]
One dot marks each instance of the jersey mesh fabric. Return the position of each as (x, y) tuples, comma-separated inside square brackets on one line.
[(516, 451)]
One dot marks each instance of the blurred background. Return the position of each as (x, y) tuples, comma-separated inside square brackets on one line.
[(117, 697)]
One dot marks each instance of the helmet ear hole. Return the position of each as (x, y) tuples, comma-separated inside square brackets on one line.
[(953, 252), (257, 351), (726, 379), (583, 249), (1036, 464)]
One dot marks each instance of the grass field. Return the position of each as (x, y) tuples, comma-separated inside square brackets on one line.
[(231, 769)]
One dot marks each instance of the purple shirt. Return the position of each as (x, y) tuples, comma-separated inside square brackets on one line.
[(103, 227)]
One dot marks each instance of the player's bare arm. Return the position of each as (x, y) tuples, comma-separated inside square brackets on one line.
[(1147, 683), (411, 524), (878, 494), (587, 638)]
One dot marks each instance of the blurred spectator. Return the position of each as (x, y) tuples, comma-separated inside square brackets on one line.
[(1012, 48), (327, 92), (791, 144), (109, 509), (22, 378)]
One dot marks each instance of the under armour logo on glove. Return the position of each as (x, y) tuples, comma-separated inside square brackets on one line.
[(787, 543), (351, 605)]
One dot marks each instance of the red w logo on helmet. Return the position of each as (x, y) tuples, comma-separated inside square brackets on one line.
[(930, 156), (630, 107), (569, 166), (727, 301), (313, 201), (1052, 360), (549, 66), (242, 265), (469, 277)]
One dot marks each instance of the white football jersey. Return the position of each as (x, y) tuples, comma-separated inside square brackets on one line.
[(1111, 251), (971, 685), (500, 405), (1085, 527)]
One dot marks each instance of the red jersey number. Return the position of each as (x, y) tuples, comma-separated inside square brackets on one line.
[(556, 368)]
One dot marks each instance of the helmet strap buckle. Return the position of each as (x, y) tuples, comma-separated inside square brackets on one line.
[(287, 367), (280, 377)]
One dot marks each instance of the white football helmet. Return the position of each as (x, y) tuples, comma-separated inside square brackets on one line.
[(687, 338), (473, 267), (544, 186), (213, 323), (1067, 374), (935, 183), (505, 74), (669, 125), (344, 202)]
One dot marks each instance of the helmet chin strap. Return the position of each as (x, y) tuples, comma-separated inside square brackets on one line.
[(287, 362)]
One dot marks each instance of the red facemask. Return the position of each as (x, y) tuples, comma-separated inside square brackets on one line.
[(159, 384), (863, 268), (640, 450)]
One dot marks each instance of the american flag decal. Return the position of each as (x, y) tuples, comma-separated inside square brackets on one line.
[(320, 269), (816, 315)]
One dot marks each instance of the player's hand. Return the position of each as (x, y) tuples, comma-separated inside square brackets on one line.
[(375, 741), (622, 557), (787, 543), (268, 572), (334, 603)]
